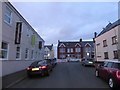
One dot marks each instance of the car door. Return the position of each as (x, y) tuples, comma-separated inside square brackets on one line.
[(106, 70), (102, 69)]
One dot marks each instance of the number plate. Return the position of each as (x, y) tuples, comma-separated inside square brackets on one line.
[(35, 69)]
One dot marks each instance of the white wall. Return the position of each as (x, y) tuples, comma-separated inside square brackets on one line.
[(12, 65), (110, 48)]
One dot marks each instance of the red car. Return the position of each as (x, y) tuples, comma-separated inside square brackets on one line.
[(109, 71)]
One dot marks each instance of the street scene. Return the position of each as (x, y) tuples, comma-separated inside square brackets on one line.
[(59, 44), (65, 75)]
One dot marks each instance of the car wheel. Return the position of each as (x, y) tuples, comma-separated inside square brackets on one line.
[(96, 73), (111, 83), (47, 73)]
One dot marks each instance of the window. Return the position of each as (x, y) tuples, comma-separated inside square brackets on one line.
[(68, 50), (106, 55), (77, 49), (62, 50), (40, 45), (114, 40), (17, 52), (8, 15), (4, 50), (26, 53), (115, 54), (32, 52), (71, 49), (109, 65), (116, 65), (88, 49), (104, 43), (62, 56)]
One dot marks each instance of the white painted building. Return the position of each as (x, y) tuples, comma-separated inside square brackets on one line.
[(107, 42), (49, 52), (20, 44)]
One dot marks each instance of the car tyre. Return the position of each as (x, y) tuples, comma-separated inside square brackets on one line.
[(111, 83), (96, 73), (47, 73)]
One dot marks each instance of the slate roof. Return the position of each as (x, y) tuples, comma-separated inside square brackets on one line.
[(73, 43), (109, 27), (49, 47)]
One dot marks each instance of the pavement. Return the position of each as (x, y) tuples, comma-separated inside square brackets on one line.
[(11, 79)]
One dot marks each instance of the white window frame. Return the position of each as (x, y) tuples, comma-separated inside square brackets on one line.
[(10, 17), (77, 49), (6, 50)]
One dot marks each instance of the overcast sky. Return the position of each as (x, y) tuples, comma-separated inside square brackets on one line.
[(67, 20)]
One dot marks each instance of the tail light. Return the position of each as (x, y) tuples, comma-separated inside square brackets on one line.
[(42, 67), (28, 68), (118, 74)]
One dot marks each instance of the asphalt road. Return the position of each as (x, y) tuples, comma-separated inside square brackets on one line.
[(65, 75)]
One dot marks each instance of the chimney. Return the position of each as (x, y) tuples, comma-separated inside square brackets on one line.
[(95, 35), (52, 45), (58, 41), (80, 39)]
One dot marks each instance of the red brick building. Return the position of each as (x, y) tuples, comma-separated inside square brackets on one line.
[(75, 49)]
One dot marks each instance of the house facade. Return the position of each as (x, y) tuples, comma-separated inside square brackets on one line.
[(107, 43), (49, 52), (75, 49), (21, 44)]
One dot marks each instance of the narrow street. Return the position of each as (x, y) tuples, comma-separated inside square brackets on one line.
[(65, 75)]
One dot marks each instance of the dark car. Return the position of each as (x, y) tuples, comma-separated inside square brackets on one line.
[(110, 72), (53, 62), (87, 62), (39, 68)]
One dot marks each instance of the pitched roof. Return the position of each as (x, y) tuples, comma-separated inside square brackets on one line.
[(109, 27), (49, 47), (73, 43)]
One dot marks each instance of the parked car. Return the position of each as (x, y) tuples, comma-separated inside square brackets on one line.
[(110, 72), (87, 62), (51, 61), (41, 67)]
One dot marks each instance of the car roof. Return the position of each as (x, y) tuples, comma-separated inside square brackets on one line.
[(115, 61)]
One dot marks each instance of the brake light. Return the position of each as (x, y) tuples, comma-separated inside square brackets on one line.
[(118, 74), (28, 68), (42, 67)]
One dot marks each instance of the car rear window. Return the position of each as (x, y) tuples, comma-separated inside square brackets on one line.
[(34, 64)]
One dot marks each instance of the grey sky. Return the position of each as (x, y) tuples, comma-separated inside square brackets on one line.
[(67, 20)]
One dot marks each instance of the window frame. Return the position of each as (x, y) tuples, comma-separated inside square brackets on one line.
[(19, 53), (10, 17), (106, 53), (5, 50)]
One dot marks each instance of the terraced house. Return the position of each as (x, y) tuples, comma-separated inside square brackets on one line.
[(20, 44), (75, 49), (107, 42)]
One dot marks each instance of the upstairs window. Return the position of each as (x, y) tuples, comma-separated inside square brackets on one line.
[(104, 43), (114, 40), (8, 15), (77, 49), (62, 50)]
